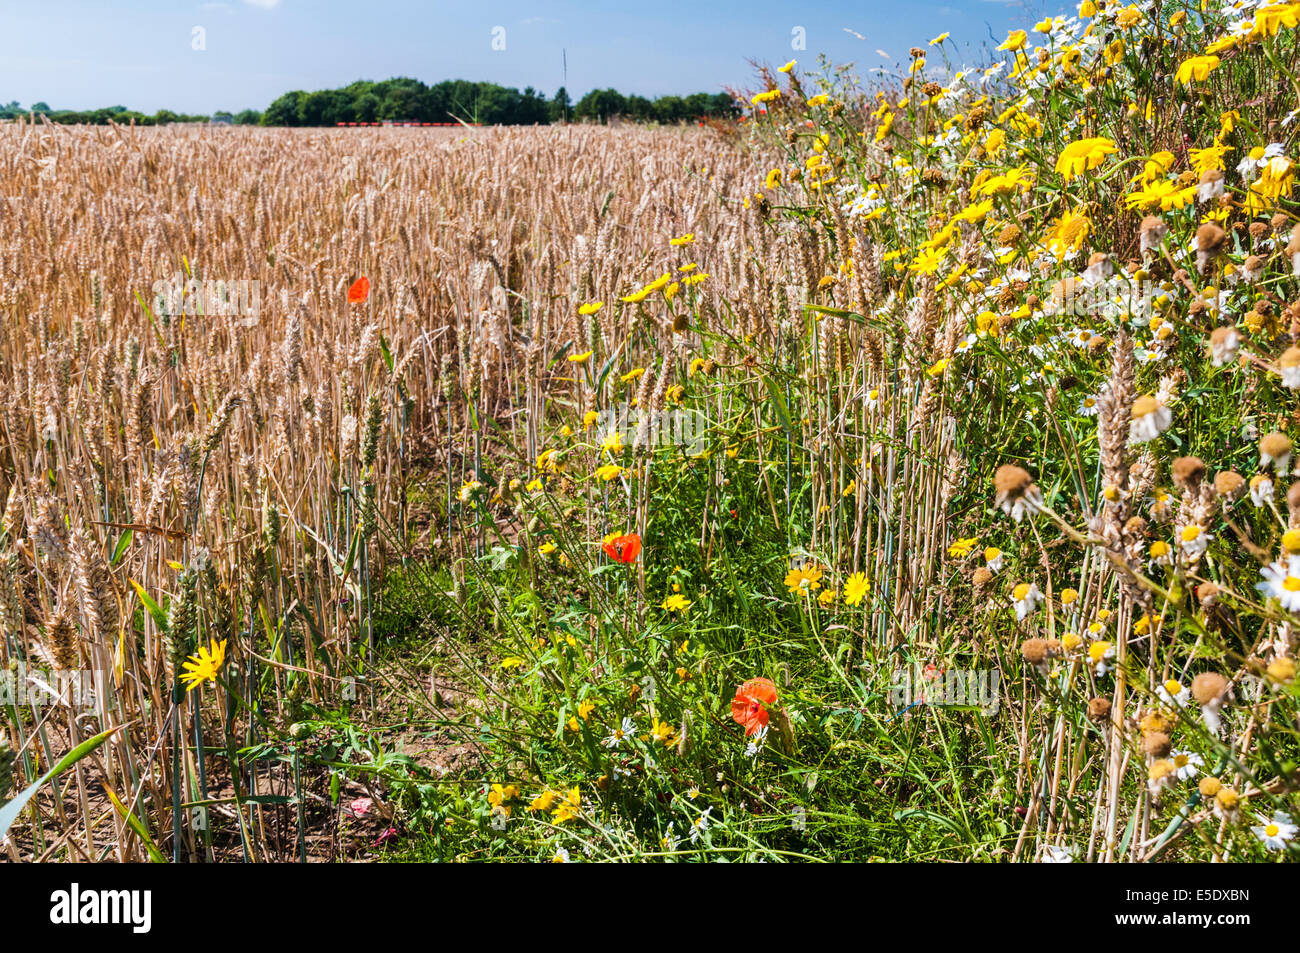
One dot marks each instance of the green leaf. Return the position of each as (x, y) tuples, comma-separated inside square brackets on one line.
[(9, 813), (779, 402), (133, 822), (155, 610), (123, 544)]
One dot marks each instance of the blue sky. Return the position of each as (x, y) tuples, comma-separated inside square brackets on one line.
[(80, 54)]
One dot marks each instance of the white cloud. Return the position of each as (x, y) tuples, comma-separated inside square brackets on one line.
[(263, 4)]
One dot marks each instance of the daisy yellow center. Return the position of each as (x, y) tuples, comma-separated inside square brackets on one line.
[(1272, 830), (1173, 687), (1191, 533), (1292, 584), (1021, 591)]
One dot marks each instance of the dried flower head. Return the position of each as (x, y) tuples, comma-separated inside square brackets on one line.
[(1016, 492), (1156, 744), (1275, 449), (1229, 485), (1188, 472), (1098, 708)]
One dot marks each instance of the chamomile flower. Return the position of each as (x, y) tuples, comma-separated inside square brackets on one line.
[(1289, 367), (1025, 597), (1187, 764), (620, 734), (700, 825), (1160, 775), (1150, 418), (668, 843), (1223, 348), (1261, 489), (993, 558), (1101, 655), (1276, 831), (1016, 492), (1193, 541), (1174, 692), (1282, 582)]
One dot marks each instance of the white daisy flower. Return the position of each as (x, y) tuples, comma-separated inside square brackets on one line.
[(1174, 692), (700, 824), (620, 734), (1275, 832), (1193, 541), (670, 840), (1282, 582), (1025, 597), (1150, 419), (1261, 489), (1186, 764)]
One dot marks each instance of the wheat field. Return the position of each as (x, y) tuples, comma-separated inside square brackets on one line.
[(900, 472)]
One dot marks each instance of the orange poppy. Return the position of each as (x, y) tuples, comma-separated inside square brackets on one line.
[(623, 549), (359, 291), (747, 707)]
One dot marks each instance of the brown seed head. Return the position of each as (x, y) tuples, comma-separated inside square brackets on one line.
[(1156, 744), (1208, 688), (1034, 651), (1188, 472), (1011, 481), (1099, 708), (1275, 445), (1210, 238), (1229, 483)]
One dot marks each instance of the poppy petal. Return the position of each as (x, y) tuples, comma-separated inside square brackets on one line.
[(763, 689)]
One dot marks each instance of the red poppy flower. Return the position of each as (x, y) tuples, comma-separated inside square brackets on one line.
[(359, 291), (623, 549), (747, 707)]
